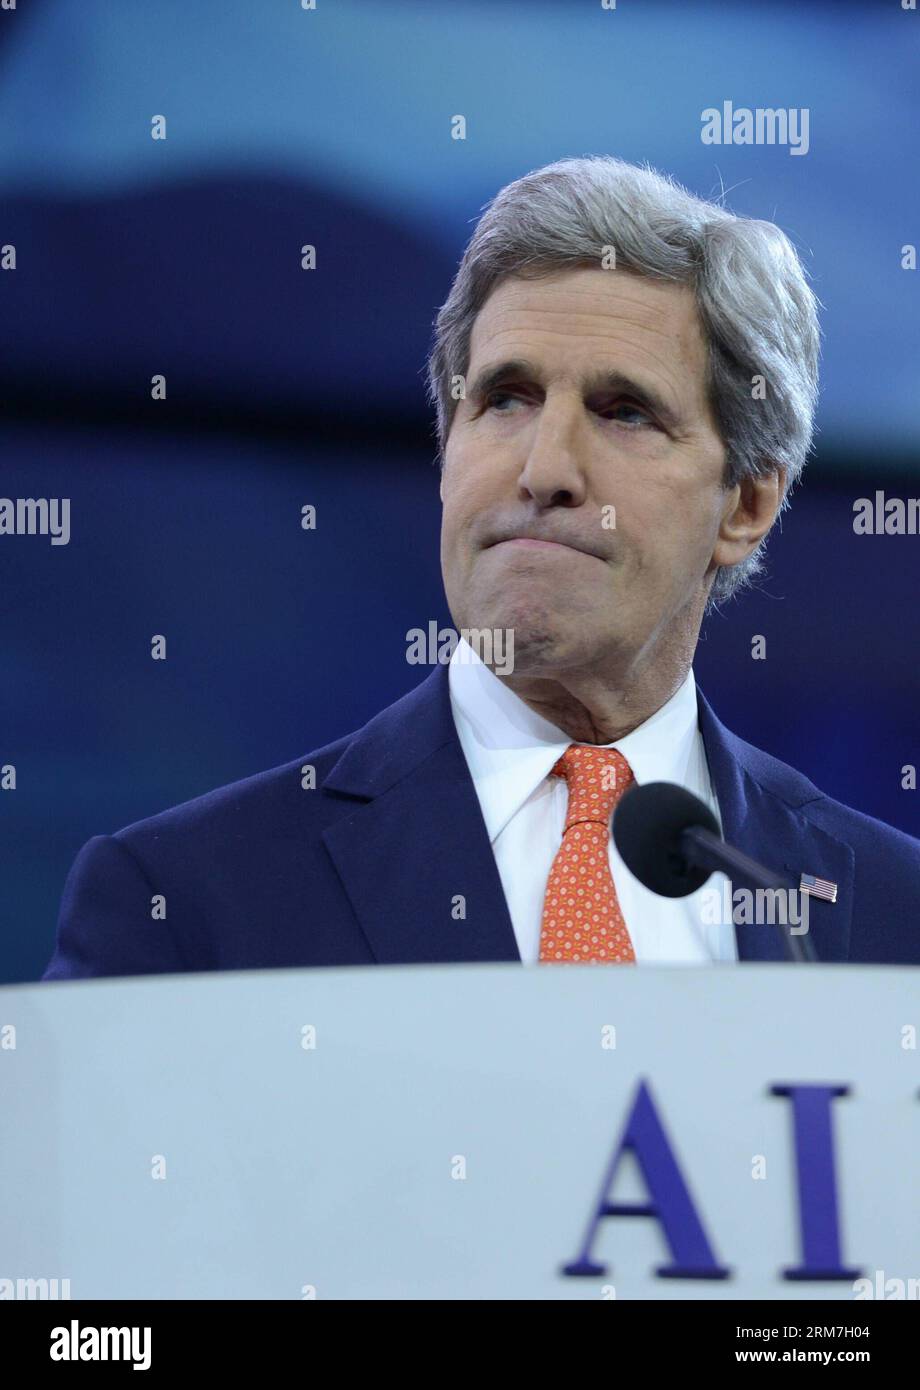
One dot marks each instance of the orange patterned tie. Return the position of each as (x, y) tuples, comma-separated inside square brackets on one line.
[(581, 914)]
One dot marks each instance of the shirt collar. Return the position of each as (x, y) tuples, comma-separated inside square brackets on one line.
[(510, 749)]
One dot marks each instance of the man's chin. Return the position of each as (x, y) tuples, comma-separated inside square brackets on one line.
[(543, 648)]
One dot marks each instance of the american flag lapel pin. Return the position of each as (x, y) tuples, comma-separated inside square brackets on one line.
[(818, 887)]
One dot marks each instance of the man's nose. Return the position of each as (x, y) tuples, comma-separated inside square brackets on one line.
[(553, 473)]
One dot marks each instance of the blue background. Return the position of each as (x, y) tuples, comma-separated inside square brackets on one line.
[(182, 257)]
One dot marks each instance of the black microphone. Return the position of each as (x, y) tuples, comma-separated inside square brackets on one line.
[(670, 840)]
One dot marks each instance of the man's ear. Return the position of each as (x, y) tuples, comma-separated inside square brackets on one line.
[(750, 509)]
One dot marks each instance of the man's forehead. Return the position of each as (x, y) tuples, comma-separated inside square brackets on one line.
[(548, 319), (589, 303)]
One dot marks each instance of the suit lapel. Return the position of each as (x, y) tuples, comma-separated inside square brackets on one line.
[(415, 860), (760, 801), (414, 856)]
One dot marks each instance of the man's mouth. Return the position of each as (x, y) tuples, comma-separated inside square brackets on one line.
[(525, 540), (528, 543)]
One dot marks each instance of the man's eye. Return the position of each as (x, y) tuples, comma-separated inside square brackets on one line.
[(495, 400), (632, 416)]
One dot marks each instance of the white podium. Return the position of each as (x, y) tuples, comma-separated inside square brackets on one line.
[(493, 1131)]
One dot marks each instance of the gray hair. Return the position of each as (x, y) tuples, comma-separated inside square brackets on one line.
[(757, 310)]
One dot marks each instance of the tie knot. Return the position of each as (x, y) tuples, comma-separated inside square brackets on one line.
[(596, 777)]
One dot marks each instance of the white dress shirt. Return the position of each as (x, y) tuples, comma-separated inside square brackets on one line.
[(510, 750)]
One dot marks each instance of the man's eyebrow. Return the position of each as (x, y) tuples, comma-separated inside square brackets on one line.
[(500, 373), (520, 370)]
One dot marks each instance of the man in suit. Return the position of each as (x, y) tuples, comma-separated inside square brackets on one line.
[(625, 379)]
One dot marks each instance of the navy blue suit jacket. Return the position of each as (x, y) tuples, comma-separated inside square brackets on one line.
[(364, 867)]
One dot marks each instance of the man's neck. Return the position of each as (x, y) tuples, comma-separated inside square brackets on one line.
[(592, 707)]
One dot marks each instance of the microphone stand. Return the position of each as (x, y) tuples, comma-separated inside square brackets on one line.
[(704, 850)]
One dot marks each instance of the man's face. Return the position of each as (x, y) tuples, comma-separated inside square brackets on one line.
[(582, 482)]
